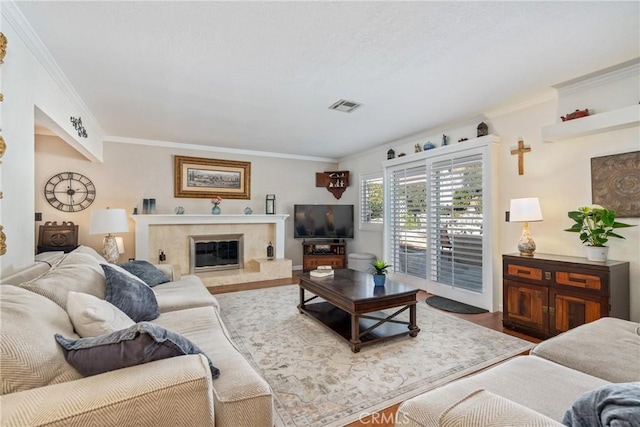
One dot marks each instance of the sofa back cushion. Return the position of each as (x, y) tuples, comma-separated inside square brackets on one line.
[(76, 272), (30, 357)]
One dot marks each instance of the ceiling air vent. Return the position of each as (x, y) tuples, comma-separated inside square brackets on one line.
[(344, 106)]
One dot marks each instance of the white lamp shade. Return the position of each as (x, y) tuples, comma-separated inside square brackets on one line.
[(105, 221), (525, 210)]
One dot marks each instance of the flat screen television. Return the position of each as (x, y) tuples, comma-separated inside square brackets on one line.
[(323, 221)]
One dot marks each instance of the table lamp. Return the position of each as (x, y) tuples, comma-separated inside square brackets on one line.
[(525, 210), (107, 221)]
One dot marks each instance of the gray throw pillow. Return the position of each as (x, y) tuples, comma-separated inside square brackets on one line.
[(145, 271), (141, 343), (130, 295)]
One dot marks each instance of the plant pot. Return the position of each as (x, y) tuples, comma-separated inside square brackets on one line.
[(216, 210), (597, 253), (379, 279)]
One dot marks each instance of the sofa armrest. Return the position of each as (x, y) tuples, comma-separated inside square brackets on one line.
[(175, 391), (172, 271), (485, 408)]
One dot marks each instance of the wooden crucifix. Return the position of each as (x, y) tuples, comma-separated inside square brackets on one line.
[(520, 152)]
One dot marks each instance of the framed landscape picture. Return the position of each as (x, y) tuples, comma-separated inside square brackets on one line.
[(198, 177), (615, 183)]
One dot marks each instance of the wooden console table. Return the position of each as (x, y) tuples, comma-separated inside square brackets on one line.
[(547, 294)]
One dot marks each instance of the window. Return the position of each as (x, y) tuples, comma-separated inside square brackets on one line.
[(371, 201)]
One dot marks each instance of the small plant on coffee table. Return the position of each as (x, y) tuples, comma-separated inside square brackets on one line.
[(380, 271)]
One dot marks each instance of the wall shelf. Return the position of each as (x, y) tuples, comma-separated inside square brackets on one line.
[(622, 118)]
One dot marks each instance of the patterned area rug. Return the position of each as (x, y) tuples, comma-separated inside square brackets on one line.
[(318, 381)]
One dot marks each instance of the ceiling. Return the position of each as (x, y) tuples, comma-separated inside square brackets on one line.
[(261, 75)]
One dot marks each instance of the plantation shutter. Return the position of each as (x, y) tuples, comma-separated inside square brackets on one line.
[(456, 221), (371, 208), (408, 220)]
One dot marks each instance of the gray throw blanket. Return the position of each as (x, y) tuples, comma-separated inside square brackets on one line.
[(614, 405)]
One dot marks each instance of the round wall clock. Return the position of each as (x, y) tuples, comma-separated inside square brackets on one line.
[(70, 191)]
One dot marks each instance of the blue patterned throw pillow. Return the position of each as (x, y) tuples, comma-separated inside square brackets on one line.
[(141, 343), (130, 295), (145, 271)]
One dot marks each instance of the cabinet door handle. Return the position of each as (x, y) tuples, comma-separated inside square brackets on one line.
[(547, 275)]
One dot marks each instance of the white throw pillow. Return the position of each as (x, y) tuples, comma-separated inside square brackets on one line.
[(92, 317)]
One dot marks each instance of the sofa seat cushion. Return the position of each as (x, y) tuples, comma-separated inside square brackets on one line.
[(188, 292), (202, 325), (541, 385), (73, 272), (586, 347), (29, 354)]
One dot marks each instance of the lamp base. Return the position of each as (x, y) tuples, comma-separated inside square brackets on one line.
[(110, 249), (526, 245)]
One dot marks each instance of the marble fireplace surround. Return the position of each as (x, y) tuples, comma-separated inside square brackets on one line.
[(170, 233)]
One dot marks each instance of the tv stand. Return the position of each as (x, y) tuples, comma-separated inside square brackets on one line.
[(323, 252)]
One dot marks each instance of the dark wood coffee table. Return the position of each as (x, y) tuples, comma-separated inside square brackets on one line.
[(352, 306)]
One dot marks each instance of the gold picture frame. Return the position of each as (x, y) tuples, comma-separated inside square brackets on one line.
[(202, 178), (615, 183)]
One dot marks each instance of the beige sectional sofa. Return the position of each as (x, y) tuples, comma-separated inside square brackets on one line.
[(536, 389), (40, 388)]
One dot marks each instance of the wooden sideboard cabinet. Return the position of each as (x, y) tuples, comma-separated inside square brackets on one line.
[(545, 295), (320, 252)]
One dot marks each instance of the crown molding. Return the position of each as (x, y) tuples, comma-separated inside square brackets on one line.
[(617, 72), (25, 31), (197, 147)]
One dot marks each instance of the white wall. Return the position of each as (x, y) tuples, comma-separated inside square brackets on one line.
[(558, 173), (132, 172), (28, 88)]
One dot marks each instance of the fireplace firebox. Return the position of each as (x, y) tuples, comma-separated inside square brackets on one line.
[(215, 252)]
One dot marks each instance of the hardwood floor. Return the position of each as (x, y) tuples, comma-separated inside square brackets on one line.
[(386, 417)]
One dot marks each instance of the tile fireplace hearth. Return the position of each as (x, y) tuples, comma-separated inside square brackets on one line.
[(171, 235)]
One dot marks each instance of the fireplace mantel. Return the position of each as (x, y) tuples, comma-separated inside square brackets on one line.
[(143, 222)]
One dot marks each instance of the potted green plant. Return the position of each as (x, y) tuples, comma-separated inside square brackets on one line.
[(380, 271), (595, 225)]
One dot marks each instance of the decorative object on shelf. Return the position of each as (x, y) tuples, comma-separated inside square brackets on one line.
[(152, 206), (198, 177), (270, 204), (135, 211), (595, 225), (417, 148), (179, 210), (615, 182), (575, 115), (482, 130), (145, 206), (248, 211), (380, 272), (463, 139), (3, 146), (445, 140), (270, 251), (69, 191), (391, 154), (429, 146), (336, 182), (402, 154), (77, 124), (525, 210), (3, 47), (162, 257), (215, 210), (109, 221), (520, 151)]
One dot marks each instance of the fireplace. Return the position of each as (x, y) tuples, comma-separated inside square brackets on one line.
[(215, 252)]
